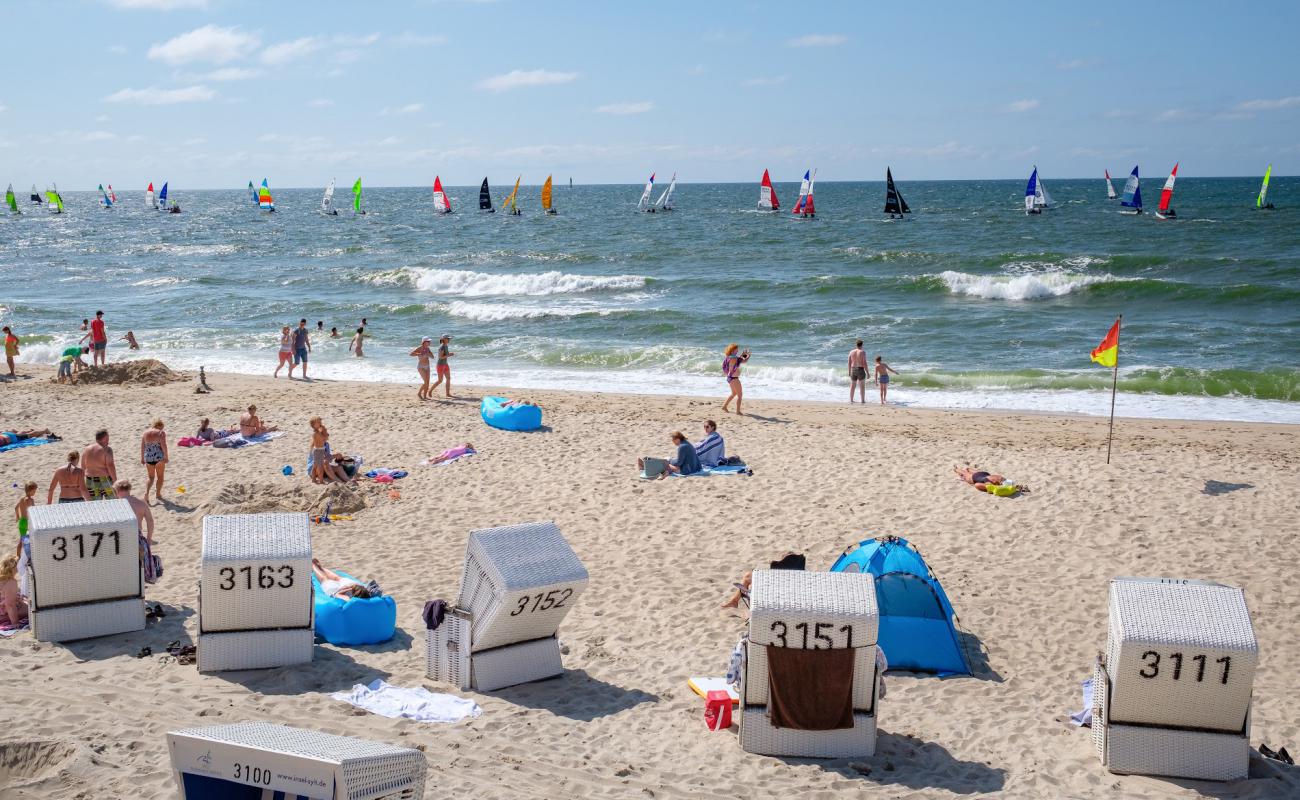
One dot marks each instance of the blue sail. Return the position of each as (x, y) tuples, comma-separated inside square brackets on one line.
[(1132, 191), (162, 196), (1033, 183)]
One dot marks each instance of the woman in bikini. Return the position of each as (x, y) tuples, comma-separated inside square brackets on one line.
[(286, 350), (423, 353), (154, 456), (731, 371), (336, 585), (70, 480)]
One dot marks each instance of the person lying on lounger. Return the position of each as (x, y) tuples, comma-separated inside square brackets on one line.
[(982, 479), (336, 585)]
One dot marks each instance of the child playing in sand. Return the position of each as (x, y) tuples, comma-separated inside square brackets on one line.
[(20, 511), (13, 609)]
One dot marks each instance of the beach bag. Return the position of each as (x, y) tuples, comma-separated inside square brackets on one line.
[(1002, 490), (717, 710)]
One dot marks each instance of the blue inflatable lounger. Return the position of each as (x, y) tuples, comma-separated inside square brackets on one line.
[(353, 620), (496, 413), (258, 760)]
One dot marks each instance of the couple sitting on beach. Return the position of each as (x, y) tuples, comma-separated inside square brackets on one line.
[(690, 458)]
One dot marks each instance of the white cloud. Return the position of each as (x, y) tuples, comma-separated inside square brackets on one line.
[(773, 81), (321, 102), (626, 108), (154, 96), (519, 78), (1172, 115), (410, 39), (389, 141), (1276, 104), (3, 108), (818, 40), (284, 52), (230, 74), (209, 43), (157, 5), (409, 108), (349, 40), (1020, 106), (97, 136)]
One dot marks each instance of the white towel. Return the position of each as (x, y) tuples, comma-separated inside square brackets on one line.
[(418, 704)]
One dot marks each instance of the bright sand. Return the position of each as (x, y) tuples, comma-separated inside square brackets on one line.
[(1027, 577)]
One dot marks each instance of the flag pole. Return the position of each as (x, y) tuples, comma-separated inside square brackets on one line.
[(1114, 385)]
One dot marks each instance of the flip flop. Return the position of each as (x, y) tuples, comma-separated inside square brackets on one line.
[(145, 652)]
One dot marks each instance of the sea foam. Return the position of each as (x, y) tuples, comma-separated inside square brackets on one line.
[(1036, 286)]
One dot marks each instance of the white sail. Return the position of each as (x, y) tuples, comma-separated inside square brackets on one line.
[(149, 201), (327, 202), (665, 200), (1110, 188), (645, 194), (765, 198), (1041, 197)]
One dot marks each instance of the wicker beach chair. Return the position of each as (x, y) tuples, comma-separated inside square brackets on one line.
[(255, 596), (1172, 694), (83, 574), (258, 759), (518, 584), (810, 611)]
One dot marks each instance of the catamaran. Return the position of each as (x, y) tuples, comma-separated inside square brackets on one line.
[(105, 200), (264, 200), (1110, 187), (665, 201), (804, 207), (509, 205), (546, 196), (645, 196), (326, 202), (54, 199), (252, 192), (36, 195), (485, 198), (895, 205), (441, 203), (1164, 210), (356, 198), (11, 201), (767, 200), (149, 201), (1261, 202), (1132, 194)]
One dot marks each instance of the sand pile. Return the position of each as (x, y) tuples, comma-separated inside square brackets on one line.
[(145, 372), (261, 498)]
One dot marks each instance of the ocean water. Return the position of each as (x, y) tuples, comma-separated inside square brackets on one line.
[(975, 304)]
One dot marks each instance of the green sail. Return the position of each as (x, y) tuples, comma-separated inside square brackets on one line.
[(1263, 190), (54, 198), (10, 200), (356, 196)]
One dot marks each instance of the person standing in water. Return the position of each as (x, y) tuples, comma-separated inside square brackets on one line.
[(301, 347), (357, 341), (286, 351), (444, 369), (731, 371), (11, 350), (858, 372), (882, 377), (423, 353)]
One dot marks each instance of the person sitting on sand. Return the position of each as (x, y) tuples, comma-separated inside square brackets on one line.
[(686, 462), (131, 343), (711, 449), (14, 437), (143, 516), (336, 585), (13, 609), (790, 560), (252, 425), (453, 453), (324, 468), (982, 479)]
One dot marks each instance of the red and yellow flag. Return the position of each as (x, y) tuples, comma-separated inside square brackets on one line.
[(1107, 353)]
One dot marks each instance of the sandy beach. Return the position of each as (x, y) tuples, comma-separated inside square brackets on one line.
[(1027, 577)]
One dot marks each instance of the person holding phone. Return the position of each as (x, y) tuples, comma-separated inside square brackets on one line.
[(731, 362)]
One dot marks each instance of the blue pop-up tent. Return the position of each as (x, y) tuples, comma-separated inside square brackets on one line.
[(917, 630)]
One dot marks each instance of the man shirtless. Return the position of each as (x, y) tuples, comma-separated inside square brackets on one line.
[(141, 509), (14, 437), (101, 471), (70, 480), (251, 425)]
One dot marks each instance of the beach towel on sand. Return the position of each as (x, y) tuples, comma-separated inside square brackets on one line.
[(418, 704), (25, 443), (738, 469), (239, 440)]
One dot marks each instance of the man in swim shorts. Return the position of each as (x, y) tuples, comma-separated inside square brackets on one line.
[(301, 347), (98, 340), (858, 372), (101, 471)]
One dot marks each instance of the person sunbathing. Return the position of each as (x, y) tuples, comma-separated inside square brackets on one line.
[(14, 437), (252, 425), (791, 560), (210, 434), (453, 453), (336, 585), (982, 479)]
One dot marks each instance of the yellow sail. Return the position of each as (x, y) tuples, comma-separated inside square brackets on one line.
[(510, 201), (546, 194)]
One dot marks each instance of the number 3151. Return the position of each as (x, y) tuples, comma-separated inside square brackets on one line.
[(1151, 668)]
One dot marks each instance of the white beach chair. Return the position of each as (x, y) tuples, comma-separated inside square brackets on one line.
[(810, 611), (255, 596), (1172, 695), (83, 576), (258, 759), (519, 583)]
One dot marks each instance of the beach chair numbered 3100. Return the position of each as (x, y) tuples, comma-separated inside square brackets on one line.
[(519, 583)]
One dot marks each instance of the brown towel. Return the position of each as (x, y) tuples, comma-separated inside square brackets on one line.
[(810, 690)]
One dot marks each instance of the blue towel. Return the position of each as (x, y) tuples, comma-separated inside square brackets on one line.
[(25, 443), (738, 469)]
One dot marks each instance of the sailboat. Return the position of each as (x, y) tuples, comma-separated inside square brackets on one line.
[(804, 207), (485, 198), (252, 192), (36, 195), (1110, 187), (327, 202), (1261, 202), (895, 205), (149, 201), (162, 197), (356, 198), (1132, 194), (665, 201), (1031, 194), (546, 196), (112, 195), (441, 203), (1042, 199), (264, 200), (645, 196), (11, 201), (1164, 210), (509, 205), (767, 200), (54, 200), (105, 200)]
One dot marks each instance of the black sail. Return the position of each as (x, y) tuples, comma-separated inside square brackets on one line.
[(894, 202), (484, 197)]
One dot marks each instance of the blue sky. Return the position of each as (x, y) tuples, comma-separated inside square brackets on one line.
[(209, 93)]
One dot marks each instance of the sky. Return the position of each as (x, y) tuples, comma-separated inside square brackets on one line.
[(213, 93)]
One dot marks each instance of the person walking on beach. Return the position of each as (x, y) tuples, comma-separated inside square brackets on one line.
[(286, 351), (882, 377), (154, 456), (444, 369), (357, 341), (98, 341), (731, 362), (858, 372), (301, 347), (422, 366), (143, 516), (11, 350), (70, 480), (101, 471), (20, 510)]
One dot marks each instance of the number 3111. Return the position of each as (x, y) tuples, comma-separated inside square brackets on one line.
[(1151, 669)]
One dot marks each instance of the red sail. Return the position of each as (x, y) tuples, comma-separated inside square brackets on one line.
[(1167, 193)]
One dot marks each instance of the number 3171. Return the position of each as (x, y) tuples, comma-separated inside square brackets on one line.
[(1152, 665)]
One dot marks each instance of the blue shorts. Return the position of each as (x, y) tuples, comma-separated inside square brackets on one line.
[(101, 345), (300, 355)]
